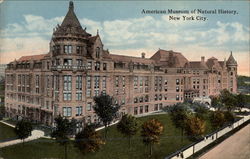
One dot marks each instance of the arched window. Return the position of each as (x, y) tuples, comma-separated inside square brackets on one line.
[(97, 52)]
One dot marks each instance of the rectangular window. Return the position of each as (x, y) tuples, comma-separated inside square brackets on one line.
[(177, 81), (79, 82), (177, 88), (141, 109), (146, 81), (104, 66), (156, 97), (67, 111), (67, 80), (88, 93), (89, 65), (68, 49), (89, 106), (97, 66), (79, 111), (67, 96), (116, 81), (123, 81), (79, 62), (146, 108), (104, 82), (135, 81), (78, 96), (177, 97), (79, 49), (67, 62), (156, 108), (135, 110), (97, 82)]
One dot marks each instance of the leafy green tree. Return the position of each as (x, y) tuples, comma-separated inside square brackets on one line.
[(229, 117), (201, 111), (151, 131), (88, 140), (179, 113), (195, 126), (241, 100), (217, 119), (106, 109), (216, 102), (228, 99), (23, 129), (128, 126), (62, 132)]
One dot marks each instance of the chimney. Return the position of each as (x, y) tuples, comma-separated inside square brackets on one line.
[(143, 55), (202, 59)]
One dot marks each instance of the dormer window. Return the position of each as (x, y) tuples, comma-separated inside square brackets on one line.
[(68, 49), (97, 52)]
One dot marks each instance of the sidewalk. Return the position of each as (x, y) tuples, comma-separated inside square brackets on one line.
[(235, 147), (35, 134)]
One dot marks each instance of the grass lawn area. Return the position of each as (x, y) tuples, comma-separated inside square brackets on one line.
[(6, 132), (116, 146)]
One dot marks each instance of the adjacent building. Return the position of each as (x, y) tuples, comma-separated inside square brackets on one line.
[(77, 68)]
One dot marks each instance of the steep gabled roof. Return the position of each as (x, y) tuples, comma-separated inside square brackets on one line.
[(213, 63), (169, 58)]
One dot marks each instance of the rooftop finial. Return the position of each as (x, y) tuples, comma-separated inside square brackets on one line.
[(97, 32), (231, 53), (71, 5)]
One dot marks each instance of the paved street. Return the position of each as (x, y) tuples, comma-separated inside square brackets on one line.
[(235, 147)]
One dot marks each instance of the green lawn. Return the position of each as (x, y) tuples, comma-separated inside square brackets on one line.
[(6, 132), (116, 147)]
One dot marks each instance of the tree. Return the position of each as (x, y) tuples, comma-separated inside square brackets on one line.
[(128, 126), (228, 99), (106, 109), (179, 113), (151, 130), (195, 126), (229, 116), (88, 140), (216, 102), (201, 110), (23, 129), (217, 119), (62, 132), (241, 100)]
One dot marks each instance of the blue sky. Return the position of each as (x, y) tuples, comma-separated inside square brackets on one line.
[(26, 28)]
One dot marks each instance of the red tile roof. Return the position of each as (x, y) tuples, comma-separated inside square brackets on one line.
[(123, 58), (32, 57)]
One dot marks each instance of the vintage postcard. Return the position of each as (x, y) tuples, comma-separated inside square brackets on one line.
[(107, 79)]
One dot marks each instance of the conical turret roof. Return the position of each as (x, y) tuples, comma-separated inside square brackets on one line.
[(70, 24), (70, 19), (231, 60)]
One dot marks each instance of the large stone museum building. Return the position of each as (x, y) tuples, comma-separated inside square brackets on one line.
[(77, 68)]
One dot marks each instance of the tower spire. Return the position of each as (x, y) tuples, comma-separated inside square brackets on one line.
[(71, 5)]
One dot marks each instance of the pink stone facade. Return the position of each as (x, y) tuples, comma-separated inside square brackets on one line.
[(77, 68)]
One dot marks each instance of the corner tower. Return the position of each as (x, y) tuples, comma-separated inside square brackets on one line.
[(232, 73), (69, 42)]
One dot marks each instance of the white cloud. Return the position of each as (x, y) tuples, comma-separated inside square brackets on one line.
[(128, 36)]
